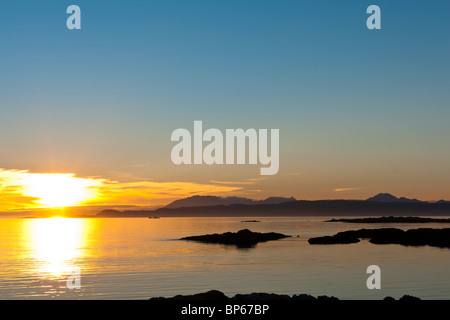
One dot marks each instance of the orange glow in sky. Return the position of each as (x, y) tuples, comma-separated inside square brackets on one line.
[(58, 190), (23, 190)]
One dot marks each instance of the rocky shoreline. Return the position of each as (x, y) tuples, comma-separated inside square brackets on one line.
[(413, 237), (216, 295), (391, 219)]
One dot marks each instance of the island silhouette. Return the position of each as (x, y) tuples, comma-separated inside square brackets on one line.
[(413, 237), (382, 204), (242, 239)]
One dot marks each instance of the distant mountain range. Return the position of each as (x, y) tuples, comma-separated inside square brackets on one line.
[(383, 204), (386, 197), (203, 201)]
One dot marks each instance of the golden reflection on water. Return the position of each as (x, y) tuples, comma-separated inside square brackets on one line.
[(56, 243)]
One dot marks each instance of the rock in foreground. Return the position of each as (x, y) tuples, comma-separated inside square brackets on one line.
[(215, 295), (243, 238)]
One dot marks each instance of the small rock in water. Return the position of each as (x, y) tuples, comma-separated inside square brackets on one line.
[(243, 238)]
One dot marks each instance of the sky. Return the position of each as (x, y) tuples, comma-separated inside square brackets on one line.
[(359, 111)]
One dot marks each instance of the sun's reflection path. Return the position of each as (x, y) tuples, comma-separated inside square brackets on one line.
[(56, 244)]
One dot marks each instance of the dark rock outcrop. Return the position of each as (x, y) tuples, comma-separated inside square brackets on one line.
[(391, 219), (243, 238), (339, 238), (212, 295), (215, 295), (260, 296), (414, 237), (354, 236), (409, 298)]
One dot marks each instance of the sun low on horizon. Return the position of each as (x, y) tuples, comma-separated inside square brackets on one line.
[(58, 190), (25, 190)]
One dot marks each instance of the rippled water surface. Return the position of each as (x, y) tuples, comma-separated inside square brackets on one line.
[(141, 258)]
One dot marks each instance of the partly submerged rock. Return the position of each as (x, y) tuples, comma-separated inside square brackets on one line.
[(391, 219), (336, 239), (243, 238), (414, 237)]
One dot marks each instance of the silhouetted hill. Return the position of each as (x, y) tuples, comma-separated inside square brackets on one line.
[(273, 200), (297, 208), (386, 197), (202, 201), (111, 213)]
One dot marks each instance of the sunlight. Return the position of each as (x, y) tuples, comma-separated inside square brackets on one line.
[(22, 190), (56, 242), (58, 190)]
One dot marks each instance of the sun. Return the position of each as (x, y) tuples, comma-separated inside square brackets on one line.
[(58, 190)]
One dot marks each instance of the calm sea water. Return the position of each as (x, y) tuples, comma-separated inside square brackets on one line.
[(141, 258)]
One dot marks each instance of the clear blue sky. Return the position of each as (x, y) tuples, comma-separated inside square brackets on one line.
[(356, 108)]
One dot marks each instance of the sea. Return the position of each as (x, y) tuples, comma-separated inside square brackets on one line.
[(141, 258)]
